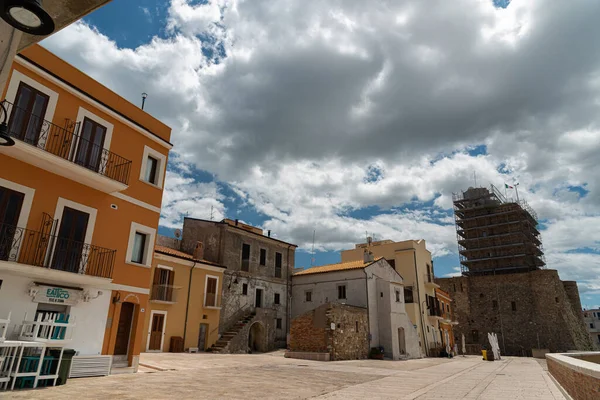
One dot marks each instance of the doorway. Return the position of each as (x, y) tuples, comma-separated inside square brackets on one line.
[(28, 114), (401, 341), (70, 241), (124, 329), (258, 299), (10, 210), (256, 338), (202, 333), (157, 330)]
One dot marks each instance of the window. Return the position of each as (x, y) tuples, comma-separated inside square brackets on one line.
[(342, 292), (398, 296), (356, 326), (591, 325), (408, 295), (245, 257), (139, 245), (278, 262), (91, 144), (556, 299), (162, 284), (454, 285), (278, 323), (481, 295), (245, 289), (28, 113), (151, 170), (381, 295), (276, 300), (495, 304), (308, 296), (513, 305), (210, 294), (263, 256), (153, 167), (475, 335)]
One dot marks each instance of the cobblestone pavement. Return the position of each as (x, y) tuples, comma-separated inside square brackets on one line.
[(271, 376)]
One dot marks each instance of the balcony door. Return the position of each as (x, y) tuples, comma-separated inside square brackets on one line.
[(28, 114), (91, 145), (70, 241), (10, 209), (163, 284)]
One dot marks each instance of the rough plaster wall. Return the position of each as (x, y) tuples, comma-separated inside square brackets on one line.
[(544, 316), (348, 343)]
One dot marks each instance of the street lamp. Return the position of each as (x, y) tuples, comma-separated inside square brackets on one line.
[(5, 139), (28, 16), (144, 95)]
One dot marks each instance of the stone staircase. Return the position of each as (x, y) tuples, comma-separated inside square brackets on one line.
[(222, 345)]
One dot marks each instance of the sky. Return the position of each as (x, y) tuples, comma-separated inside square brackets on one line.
[(342, 119)]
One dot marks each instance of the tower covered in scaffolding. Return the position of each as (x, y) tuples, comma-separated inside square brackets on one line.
[(496, 234)]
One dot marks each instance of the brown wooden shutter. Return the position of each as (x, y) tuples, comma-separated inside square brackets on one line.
[(156, 276)]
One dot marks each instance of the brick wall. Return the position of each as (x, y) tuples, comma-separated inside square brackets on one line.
[(543, 314), (580, 386), (311, 332)]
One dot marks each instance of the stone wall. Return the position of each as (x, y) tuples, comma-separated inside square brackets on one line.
[(266, 319), (578, 378), (526, 310), (311, 332)]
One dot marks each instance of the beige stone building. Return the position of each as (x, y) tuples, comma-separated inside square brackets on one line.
[(412, 261)]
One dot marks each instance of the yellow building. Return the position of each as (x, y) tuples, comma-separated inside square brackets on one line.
[(185, 301), (80, 197), (413, 262)]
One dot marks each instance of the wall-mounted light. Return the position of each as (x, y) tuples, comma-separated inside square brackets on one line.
[(5, 139), (28, 16)]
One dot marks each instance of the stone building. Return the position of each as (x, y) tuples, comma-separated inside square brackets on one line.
[(592, 324), (504, 287), (336, 331), (255, 303), (369, 284)]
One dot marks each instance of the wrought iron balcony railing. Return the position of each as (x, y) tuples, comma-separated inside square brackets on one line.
[(166, 293), (26, 246), (66, 143)]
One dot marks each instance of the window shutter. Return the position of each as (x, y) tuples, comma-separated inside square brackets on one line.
[(156, 276), (171, 277)]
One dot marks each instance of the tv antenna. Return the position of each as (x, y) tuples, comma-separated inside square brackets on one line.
[(312, 252)]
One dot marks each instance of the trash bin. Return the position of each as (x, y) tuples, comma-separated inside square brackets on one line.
[(65, 364), (484, 354)]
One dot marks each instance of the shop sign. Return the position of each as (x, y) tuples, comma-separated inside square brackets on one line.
[(56, 295)]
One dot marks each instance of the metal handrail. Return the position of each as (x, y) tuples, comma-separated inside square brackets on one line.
[(67, 144), (26, 246)]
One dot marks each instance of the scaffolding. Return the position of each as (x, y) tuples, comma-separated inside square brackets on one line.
[(496, 234)]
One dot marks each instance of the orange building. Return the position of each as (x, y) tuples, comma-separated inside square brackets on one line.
[(447, 321), (80, 197)]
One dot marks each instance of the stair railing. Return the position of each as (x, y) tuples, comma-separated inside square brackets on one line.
[(236, 316)]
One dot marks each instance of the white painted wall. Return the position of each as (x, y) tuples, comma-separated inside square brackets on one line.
[(324, 290), (90, 317)]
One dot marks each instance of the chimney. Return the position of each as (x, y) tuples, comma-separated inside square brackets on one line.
[(269, 233), (199, 251), (236, 222), (368, 256)]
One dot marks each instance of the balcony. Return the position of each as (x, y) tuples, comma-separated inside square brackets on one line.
[(63, 151), (428, 281), (164, 294), (44, 250)]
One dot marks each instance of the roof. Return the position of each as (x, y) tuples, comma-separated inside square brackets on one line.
[(345, 266), (180, 254)]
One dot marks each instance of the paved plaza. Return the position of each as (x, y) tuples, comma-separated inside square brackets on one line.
[(271, 376)]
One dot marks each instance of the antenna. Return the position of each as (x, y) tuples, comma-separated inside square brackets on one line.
[(312, 258), (211, 213)]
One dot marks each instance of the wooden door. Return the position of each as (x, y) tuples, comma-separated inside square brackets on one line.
[(202, 337), (124, 329), (70, 241), (156, 332), (28, 114), (10, 210), (91, 145)]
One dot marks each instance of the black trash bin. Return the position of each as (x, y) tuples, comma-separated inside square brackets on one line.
[(65, 364)]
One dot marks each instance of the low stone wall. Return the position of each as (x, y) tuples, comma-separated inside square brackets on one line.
[(306, 355), (578, 377)]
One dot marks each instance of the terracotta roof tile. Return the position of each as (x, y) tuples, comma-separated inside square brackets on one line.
[(359, 264), (180, 254)]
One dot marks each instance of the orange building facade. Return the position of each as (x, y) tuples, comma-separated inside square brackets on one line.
[(80, 197), (447, 320)]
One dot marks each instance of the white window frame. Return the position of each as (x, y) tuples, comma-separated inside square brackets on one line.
[(160, 168), (11, 93), (60, 208), (206, 291), (148, 251), (162, 339)]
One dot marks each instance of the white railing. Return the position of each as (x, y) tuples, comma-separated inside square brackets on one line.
[(4, 328), (48, 328)]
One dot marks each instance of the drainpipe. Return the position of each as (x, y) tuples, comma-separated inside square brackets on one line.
[(368, 307), (419, 301), (287, 296), (187, 305)]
